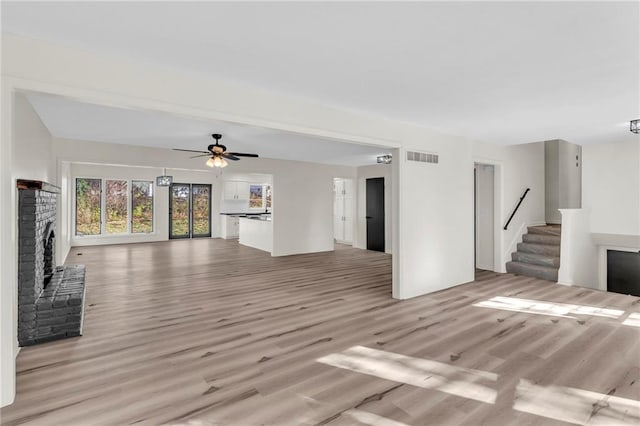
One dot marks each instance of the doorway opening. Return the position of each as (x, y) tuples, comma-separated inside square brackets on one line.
[(375, 214), (343, 208), (189, 210), (484, 211)]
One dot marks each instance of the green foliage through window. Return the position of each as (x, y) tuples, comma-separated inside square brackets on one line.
[(88, 206), (116, 206), (91, 199), (141, 206), (255, 196)]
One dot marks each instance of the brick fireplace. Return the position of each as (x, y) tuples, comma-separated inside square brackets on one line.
[(50, 298)]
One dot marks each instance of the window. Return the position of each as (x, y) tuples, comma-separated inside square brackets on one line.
[(114, 210), (255, 196), (260, 196), (116, 207), (141, 206), (88, 206), (267, 196)]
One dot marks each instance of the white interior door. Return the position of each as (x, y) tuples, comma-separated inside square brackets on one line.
[(348, 215), (485, 176), (338, 209)]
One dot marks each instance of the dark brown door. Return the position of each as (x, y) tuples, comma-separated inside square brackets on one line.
[(375, 214)]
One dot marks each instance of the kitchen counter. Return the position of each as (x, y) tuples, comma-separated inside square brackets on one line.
[(264, 218), (256, 232), (246, 214)]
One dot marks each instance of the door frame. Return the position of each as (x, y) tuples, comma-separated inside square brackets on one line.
[(499, 258), (190, 203)]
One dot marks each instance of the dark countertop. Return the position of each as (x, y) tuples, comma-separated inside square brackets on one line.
[(246, 214), (260, 218)]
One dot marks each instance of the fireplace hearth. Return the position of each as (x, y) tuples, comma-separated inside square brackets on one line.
[(50, 298)]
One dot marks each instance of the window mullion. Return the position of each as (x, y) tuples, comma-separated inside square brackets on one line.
[(129, 201), (103, 206)]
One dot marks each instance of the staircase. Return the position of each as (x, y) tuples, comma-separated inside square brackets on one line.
[(538, 254)]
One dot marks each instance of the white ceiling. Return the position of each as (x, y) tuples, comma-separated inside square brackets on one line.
[(71, 119), (503, 72)]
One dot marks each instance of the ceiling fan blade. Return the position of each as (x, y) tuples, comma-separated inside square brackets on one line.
[(191, 150), (229, 156), (201, 155), (240, 154)]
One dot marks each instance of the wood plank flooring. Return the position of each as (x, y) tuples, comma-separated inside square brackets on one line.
[(210, 332)]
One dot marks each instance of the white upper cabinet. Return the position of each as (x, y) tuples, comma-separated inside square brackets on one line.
[(236, 190), (343, 210)]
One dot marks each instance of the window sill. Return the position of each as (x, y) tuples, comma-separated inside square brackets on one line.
[(128, 234)]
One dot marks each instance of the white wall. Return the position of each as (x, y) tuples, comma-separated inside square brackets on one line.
[(436, 218), (610, 217), (30, 158), (578, 252), (611, 187), (517, 167), (64, 213), (33, 157)]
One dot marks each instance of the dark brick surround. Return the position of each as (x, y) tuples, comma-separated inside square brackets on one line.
[(50, 298)]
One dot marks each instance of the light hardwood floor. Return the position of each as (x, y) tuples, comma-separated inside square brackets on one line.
[(211, 332)]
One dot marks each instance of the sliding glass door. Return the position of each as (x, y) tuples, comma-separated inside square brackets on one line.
[(189, 210)]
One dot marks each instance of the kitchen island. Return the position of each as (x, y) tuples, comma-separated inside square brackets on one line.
[(257, 232)]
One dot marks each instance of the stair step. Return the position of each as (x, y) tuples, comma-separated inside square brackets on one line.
[(536, 271), (545, 249), (536, 259), (541, 239), (545, 230)]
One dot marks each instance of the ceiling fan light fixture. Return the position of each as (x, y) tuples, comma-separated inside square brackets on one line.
[(217, 153), (633, 126), (217, 162)]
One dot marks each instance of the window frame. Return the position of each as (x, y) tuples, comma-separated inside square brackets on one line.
[(262, 185), (103, 201), (264, 197), (153, 207), (75, 207)]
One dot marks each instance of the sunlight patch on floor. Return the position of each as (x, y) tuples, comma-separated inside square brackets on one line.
[(464, 382), (371, 419), (575, 405), (547, 308), (633, 320)]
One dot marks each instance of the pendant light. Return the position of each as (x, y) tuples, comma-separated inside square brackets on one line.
[(164, 180)]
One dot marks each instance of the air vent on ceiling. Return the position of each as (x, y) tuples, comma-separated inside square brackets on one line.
[(422, 157)]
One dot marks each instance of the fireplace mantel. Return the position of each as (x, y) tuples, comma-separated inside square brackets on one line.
[(604, 242), (617, 240), (37, 185)]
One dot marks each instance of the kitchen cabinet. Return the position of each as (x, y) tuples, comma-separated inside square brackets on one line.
[(236, 190), (343, 210), (230, 227)]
